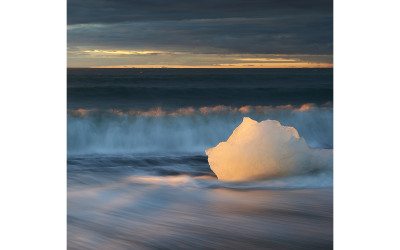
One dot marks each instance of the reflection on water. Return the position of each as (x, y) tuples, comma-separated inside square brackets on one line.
[(184, 212)]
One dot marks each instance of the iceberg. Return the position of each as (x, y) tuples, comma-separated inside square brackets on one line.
[(257, 151)]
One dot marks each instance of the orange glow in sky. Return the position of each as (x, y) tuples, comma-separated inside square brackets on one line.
[(230, 65), (129, 52), (153, 58)]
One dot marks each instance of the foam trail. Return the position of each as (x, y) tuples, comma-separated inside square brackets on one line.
[(265, 150)]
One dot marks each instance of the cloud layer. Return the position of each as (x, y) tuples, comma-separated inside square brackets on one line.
[(201, 27)]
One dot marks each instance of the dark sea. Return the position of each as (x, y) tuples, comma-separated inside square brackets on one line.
[(139, 178)]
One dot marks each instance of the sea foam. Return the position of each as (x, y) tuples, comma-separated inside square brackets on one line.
[(265, 150), (188, 130)]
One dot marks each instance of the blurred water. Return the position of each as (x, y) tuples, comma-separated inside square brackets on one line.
[(177, 215), (177, 88), (138, 177), (176, 202)]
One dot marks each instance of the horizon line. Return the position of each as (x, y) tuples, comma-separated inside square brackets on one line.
[(194, 68)]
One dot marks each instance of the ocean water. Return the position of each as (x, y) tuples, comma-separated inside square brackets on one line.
[(138, 176)]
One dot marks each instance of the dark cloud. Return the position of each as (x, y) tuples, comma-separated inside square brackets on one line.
[(265, 36), (208, 26), (115, 11)]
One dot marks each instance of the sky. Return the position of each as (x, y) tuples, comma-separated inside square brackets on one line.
[(200, 34)]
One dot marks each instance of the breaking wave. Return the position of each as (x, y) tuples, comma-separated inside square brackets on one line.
[(189, 129)]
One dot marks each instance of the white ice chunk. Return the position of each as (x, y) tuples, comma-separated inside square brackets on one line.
[(265, 150)]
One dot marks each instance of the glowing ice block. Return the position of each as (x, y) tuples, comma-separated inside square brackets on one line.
[(265, 150)]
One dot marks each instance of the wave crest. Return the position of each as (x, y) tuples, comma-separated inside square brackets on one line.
[(184, 130)]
